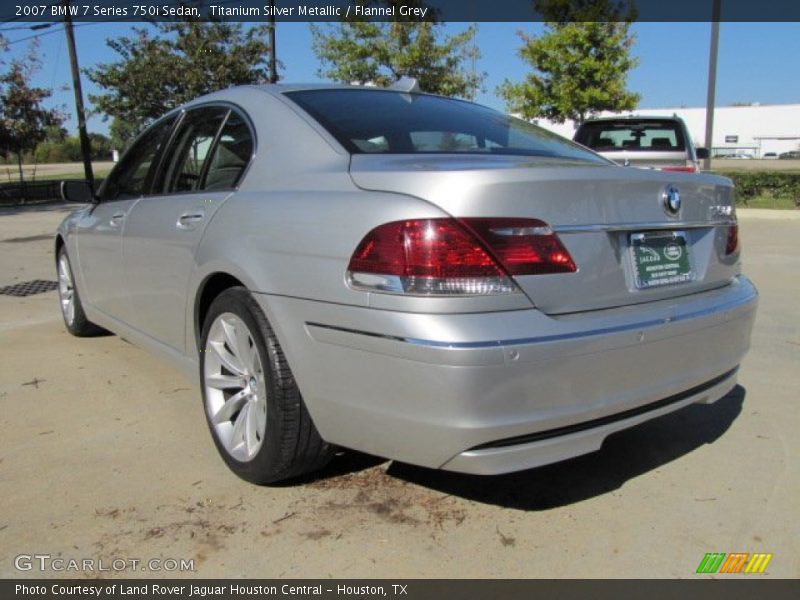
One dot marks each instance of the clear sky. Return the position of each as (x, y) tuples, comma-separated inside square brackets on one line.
[(758, 62)]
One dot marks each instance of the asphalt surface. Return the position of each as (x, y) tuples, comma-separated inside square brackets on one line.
[(104, 454)]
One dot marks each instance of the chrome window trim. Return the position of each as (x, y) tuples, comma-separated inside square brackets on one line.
[(642, 225)]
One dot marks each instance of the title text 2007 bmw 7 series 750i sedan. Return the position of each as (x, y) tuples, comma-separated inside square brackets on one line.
[(407, 275)]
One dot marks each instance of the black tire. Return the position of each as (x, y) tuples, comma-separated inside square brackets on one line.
[(80, 325), (291, 445)]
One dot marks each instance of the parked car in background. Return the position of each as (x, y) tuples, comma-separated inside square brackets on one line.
[(658, 142), (770, 155), (408, 275)]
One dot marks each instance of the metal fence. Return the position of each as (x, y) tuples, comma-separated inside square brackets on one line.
[(24, 192)]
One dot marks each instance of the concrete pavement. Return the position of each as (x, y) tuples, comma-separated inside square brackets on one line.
[(105, 455)]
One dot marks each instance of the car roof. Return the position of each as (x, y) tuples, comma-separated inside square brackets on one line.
[(282, 88), (233, 93), (633, 118), (285, 88)]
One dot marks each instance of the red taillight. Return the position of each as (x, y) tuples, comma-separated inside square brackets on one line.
[(446, 256), (686, 169), (732, 242), (523, 246)]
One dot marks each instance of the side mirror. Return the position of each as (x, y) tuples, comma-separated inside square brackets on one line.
[(77, 190), (702, 153)]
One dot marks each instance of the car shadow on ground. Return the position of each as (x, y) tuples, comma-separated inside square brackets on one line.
[(624, 456)]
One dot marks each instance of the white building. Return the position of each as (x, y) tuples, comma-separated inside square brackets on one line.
[(753, 130)]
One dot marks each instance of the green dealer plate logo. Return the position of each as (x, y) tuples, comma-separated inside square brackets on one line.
[(661, 258)]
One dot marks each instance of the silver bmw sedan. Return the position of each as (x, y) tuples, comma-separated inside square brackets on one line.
[(407, 275)]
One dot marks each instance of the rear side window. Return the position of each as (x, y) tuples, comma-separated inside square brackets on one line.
[(390, 122), (632, 136), (203, 157), (231, 155), (191, 150)]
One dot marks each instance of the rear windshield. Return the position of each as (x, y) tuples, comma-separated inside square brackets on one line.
[(632, 136), (389, 122)]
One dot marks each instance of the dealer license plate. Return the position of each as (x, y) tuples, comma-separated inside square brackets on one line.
[(661, 258)]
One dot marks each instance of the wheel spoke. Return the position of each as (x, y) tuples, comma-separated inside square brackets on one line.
[(238, 433), (228, 360), (64, 272), (229, 330), (252, 428), (260, 409), (245, 351), (220, 381), (230, 407)]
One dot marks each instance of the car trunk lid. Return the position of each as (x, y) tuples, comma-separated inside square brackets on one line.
[(599, 212)]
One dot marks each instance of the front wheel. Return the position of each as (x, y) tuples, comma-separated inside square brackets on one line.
[(255, 412), (69, 299)]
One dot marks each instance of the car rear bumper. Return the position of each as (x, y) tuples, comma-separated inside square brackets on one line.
[(498, 392)]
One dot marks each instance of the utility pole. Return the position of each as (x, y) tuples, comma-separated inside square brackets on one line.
[(86, 148), (273, 60), (712, 82)]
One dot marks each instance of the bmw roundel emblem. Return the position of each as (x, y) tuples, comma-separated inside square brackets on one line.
[(672, 200)]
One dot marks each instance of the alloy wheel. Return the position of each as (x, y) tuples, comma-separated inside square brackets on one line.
[(236, 394), (66, 290)]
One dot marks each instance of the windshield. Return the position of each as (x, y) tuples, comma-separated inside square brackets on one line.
[(631, 136), (389, 122)]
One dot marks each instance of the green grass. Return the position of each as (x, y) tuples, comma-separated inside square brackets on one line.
[(98, 174), (768, 201)]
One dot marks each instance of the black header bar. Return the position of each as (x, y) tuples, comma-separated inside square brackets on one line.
[(408, 10), (731, 588)]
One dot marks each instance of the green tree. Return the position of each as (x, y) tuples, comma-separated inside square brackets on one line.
[(24, 121), (580, 64), (101, 146), (55, 133), (381, 53), (122, 133), (183, 60)]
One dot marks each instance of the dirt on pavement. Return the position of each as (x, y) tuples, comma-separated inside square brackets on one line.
[(105, 454)]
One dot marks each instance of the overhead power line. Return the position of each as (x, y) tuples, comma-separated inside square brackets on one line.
[(49, 32)]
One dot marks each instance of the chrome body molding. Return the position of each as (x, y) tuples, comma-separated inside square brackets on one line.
[(643, 226)]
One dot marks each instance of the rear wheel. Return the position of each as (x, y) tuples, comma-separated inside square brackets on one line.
[(69, 299), (254, 409)]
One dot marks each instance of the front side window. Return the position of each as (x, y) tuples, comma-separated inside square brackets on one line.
[(390, 122), (131, 176)]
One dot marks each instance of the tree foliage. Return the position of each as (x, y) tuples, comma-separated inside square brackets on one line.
[(183, 60), (24, 121), (380, 53), (68, 149), (580, 65)]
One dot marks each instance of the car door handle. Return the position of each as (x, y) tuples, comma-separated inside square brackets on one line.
[(190, 220), (116, 219)]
